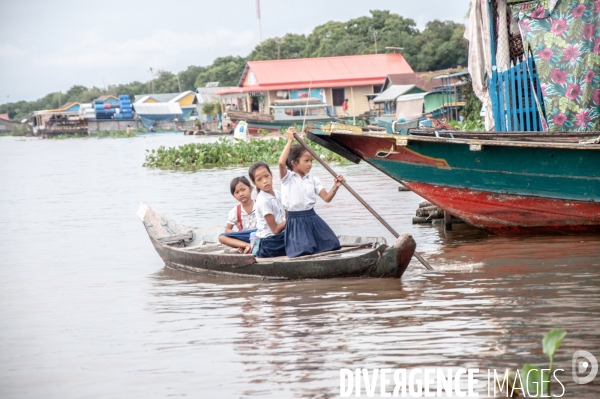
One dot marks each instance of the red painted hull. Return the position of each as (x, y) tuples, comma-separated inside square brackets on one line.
[(513, 214)]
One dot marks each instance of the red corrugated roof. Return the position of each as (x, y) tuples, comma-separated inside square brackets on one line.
[(300, 73)]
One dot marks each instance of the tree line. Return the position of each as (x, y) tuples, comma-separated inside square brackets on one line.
[(439, 46)]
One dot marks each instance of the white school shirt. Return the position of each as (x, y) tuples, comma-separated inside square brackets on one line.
[(248, 219), (299, 193), (267, 204)]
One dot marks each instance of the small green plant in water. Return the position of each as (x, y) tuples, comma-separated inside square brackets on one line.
[(68, 136), (225, 152), (534, 381), (117, 134)]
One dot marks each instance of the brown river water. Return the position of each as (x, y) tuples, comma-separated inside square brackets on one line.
[(88, 310)]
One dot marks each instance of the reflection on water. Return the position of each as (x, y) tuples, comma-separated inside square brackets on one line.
[(89, 311)]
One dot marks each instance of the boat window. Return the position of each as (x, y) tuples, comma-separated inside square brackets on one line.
[(289, 111)]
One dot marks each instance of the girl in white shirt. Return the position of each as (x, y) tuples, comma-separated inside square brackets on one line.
[(305, 233), (242, 216), (270, 215)]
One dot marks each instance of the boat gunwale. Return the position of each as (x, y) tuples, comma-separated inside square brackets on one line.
[(402, 139), (355, 261)]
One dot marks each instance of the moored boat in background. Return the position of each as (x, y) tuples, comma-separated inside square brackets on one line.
[(509, 183), (284, 113)]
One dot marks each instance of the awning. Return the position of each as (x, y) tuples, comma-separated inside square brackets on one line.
[(392, 93), (158, 109), (410, 106)]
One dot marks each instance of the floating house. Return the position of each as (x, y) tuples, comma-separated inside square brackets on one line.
[(438, 92), (386, 103), (109, 99), (152, 112), (187, 102), (42, 120), (206, 95), (5, 123), (329, 79)]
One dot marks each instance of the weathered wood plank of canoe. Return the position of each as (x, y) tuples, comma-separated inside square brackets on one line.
[(362, 256)]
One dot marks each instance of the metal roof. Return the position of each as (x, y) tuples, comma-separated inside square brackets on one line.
[(298, 73), (409, 97), (206, 94), (182, 95), (161, 98), (392, 93), (158, 108), (452, 75)]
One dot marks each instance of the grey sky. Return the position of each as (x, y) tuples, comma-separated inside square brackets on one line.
[(48, 46)]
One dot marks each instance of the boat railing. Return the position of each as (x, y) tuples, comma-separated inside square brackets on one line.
[(517, 98)]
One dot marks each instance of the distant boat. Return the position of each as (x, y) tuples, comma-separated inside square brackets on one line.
[(284, 113), (508, 183), (196, 250)]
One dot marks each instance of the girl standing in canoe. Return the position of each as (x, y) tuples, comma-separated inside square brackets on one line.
[(305, 233), (270, 215), (243, 216)]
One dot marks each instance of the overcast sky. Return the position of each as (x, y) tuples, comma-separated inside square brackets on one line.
[(48, 46)]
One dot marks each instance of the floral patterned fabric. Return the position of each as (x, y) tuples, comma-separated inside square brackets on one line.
[(564, 37)]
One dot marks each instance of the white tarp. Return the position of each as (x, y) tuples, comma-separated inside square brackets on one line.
[(480, 62), (410, 106), (158, 109)]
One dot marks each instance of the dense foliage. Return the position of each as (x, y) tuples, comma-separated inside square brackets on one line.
[(225, 152), (439, 46)]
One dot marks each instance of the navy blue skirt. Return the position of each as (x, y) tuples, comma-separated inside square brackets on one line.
[(306, 234), (272, 246), (243, 235)]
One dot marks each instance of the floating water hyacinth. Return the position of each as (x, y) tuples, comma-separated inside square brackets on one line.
[(225, 152)]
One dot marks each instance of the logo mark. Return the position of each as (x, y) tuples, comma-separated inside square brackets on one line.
[(581, 366)]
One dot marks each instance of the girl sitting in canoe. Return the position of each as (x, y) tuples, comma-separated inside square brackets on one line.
[(306, 233), (242, 216), (270, 215)]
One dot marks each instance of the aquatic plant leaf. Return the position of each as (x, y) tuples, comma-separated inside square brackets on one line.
[(535, 381), (552, 341)]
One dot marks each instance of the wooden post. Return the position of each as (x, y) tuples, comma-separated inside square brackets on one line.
[(353, 108), (447, 221)]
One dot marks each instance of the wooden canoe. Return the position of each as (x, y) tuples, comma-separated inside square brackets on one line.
[(197, 250)]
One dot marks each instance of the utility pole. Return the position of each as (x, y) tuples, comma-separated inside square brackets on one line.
[(151, 79), (258, 16), (178, 83), (278, 40), (8, 106), (375, 37)]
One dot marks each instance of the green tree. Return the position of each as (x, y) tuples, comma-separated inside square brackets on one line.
[(225, 70), (76, 93), (290, 46), (189, 76), (166, 82), (441, 46)]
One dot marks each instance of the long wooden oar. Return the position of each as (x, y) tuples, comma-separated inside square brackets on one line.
[(358, 197)]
